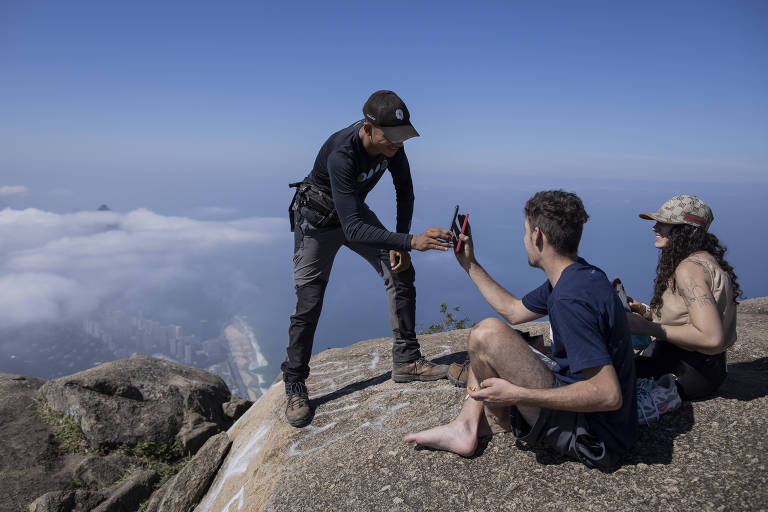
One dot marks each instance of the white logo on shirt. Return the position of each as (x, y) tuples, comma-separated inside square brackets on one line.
[(364, 176)]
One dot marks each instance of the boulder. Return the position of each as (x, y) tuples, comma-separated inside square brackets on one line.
[(30, 462), (98, 472), (236, 407), (184, 490), (137, 400), (708, 455), (67, 501), (130, 493), (195, 432)]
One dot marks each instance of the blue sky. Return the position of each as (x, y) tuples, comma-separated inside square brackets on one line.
[(204, 96), (204, 111)]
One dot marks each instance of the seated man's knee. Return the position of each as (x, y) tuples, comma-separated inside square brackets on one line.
[(485, 334)]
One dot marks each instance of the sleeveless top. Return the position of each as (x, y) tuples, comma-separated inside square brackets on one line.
[(674, 311)]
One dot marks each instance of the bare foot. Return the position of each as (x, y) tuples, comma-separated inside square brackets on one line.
[(454, 437)]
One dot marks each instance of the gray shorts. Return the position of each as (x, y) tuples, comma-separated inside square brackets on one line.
[(565, 432)]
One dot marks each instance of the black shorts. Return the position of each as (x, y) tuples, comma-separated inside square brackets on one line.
[(697, 374), (565, 432)]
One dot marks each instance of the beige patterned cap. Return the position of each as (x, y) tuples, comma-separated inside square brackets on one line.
[(683, 209)]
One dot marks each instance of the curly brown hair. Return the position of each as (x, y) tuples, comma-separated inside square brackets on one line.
[(684, 240), (560, 216)]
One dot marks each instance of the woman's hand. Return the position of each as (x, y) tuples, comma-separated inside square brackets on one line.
[(639, 308)]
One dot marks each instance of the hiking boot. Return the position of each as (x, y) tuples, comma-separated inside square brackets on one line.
[(458, 373), (420, 369), (297, 410)]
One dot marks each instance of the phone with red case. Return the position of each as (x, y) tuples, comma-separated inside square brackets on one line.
[(456, 229)]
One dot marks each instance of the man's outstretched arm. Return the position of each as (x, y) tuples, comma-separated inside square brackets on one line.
[(507, 305), (599, 391), (349, 206)]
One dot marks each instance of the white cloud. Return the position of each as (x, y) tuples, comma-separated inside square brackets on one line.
[(59, 266), (7, 190), (217, 211)]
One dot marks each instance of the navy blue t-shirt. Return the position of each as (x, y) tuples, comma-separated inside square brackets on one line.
[(589, 329)]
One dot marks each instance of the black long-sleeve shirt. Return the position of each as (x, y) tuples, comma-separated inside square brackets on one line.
[(344, 170)]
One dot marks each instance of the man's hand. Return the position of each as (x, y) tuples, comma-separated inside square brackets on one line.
[(498, 392), (466, 254), (432, 238), (399, 260)]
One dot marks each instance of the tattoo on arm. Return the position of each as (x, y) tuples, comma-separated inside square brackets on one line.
[(693, 293)]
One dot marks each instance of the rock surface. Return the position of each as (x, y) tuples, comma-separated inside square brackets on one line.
[(140, 398), (137, 400), (128, 495), (66, 501), (236, 407), (97, 472), (182, 492), (709, 455), (30, 464)]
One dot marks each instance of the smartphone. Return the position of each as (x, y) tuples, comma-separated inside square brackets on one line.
[(619, 287), (456, 229)]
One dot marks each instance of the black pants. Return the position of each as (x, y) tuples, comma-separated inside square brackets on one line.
[(697, 374), (313, 254)]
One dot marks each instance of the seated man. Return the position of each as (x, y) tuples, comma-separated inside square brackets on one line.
[(585, 407)]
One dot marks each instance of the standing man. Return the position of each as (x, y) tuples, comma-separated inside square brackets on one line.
[(583, 406), (329, 211)]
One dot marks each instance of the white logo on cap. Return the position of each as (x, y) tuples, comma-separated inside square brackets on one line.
[(399, 114)]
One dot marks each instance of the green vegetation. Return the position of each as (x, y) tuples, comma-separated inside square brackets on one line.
[(160, 451), (448, 322), (66, 432), (167, 458)]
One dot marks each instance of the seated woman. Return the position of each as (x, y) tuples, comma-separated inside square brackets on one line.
[(692, 316)]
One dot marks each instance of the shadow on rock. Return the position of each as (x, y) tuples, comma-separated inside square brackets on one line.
[(746, 381), (349, 389), (482, 444), (379, 379), (456, 357), (655, 443)]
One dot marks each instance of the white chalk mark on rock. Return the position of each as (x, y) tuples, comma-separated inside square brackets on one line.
[(237, 465), (375, 361), (347, 408), (376, 419), (238, 497)]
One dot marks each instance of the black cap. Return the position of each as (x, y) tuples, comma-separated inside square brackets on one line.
[(386, 110)]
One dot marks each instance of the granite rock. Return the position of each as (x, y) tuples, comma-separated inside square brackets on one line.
[(182, 492), (708, 455), (137, 400)]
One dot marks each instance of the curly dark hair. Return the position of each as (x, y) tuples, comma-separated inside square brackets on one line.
[(560, 216), (684, 240)]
